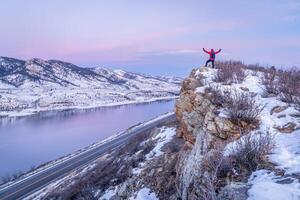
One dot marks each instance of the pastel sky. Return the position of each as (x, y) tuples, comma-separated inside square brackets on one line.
[(151, 36)]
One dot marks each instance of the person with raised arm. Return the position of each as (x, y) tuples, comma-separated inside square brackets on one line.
[(212, 56)]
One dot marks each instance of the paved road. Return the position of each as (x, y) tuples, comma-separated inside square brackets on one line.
[(28, 186)]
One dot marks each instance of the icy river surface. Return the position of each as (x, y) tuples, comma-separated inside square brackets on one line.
[(33, 140)]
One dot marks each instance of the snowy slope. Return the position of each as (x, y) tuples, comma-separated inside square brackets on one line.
[(37, 85), (265, 184)]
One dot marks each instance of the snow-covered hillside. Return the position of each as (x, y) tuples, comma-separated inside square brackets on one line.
[(37, 85)]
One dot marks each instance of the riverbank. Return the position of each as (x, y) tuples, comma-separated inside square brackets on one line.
[(32, 111), (36, 139)]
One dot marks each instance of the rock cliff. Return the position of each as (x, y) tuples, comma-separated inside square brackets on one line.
[(205, 170), (202, 128)]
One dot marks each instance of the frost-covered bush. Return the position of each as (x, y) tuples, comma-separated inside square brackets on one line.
[(256, 68), (289, 85), (270, 82), (242, 107), (230, 72), (298, 103), (217, 96), (250, 151), (245, 156), (215, 168)]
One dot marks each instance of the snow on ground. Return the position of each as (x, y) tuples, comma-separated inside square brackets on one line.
[(144, 194), (108, 194), (102, 87), (164, 136), (286, 154), (268, 186)]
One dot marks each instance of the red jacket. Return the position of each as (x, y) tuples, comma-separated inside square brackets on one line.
[(212, 53)]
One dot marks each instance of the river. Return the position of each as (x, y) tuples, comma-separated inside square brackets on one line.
[(33, 140)]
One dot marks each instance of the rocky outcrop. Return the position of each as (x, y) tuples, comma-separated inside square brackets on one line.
[(203, 130), (195, 112)]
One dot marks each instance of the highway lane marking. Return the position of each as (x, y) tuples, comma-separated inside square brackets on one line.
[(59, 170), (90, 155), (129, 132), (121, 140)]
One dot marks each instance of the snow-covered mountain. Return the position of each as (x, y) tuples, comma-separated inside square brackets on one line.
[(36, 85)]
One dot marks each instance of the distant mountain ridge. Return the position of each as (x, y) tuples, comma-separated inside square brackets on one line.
[(40, 85), (16, 72)]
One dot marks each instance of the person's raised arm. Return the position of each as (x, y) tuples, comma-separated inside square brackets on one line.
[(205, 51), (218, 51)]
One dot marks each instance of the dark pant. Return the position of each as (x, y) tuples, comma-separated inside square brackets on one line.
[(212, 62)]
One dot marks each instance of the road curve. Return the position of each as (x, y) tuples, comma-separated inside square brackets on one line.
[(25, 187)]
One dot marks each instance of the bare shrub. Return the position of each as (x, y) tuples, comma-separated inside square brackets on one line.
[(224, 75), (250, 151), (214, 171), (113, 170), (217, 164), (256, 68), (247, 155), (289, 85), (217, 96), (242, 107), (6, 178), (239, 106), (230, 71), (270, 82), (207, 183)]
